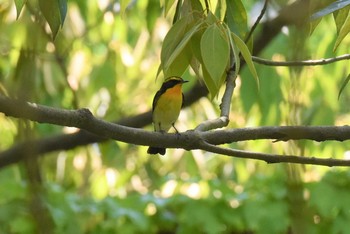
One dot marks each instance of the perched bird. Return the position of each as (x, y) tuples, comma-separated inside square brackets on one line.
[(166, 108)]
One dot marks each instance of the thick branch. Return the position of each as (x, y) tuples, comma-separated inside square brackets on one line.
[(292, 14), (189, 140)]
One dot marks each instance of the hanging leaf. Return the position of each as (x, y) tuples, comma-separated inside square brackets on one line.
[(215, 53), (346, 81), (246, 55), (19, 5), (51, 10), (343, 32), (183, 43)]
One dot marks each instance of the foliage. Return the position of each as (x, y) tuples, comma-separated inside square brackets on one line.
[(105, 55)]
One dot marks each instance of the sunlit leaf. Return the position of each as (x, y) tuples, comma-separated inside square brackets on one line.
[(345, 82), (167, 5), (246, 55), (183, 43), (174, 43), (19, 5), (343, 32), (215, 52), (337, 5), (179, 63), (340, 17)]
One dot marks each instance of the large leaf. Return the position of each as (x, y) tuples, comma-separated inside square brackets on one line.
[(183, 43), (175, 42), (246, 55), (337, 5), (215, 52)]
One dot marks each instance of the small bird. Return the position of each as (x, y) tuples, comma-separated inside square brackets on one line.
[(166, 108)]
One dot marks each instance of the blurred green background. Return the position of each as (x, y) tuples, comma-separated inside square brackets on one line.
[(107, 63)]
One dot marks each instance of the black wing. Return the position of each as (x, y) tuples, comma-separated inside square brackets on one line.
[(183, 100), (156, 97)]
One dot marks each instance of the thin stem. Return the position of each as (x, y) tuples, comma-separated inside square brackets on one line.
[(316, 62), (262, 13)]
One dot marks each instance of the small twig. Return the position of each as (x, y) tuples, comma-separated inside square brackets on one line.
[(274, 158), (225, 106), (301, 63), (262, 13)]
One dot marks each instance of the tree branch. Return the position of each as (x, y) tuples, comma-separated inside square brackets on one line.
[(301, 63), (256, 23), (275, 158), (189, 140), (291, 14)]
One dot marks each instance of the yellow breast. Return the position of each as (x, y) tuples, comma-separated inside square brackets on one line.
[(167, 109)]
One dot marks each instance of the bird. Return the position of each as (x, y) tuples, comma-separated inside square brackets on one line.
[(166, 107)]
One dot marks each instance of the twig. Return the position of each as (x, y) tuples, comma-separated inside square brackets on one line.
[(301, 63), (225, 106), (275, 158), (262, 13)]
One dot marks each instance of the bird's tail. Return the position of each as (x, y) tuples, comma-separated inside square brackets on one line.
[(156, 150)]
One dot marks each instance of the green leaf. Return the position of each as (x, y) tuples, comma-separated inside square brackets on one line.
[(19, 5), (345, 82), (174, 43), (179, 64), (343, 32), (183, 43), (337, 5), (246, 55), (209, 83), (236, 17), (52, 13), (167, 5), (215, 53), (340, 17)]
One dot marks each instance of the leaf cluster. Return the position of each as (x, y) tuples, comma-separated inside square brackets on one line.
[(210, 41)]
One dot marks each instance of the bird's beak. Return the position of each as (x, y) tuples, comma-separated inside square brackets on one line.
[(184, 81)]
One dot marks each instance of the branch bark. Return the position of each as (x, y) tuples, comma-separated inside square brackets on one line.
[(292, 14), (189, 140)]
